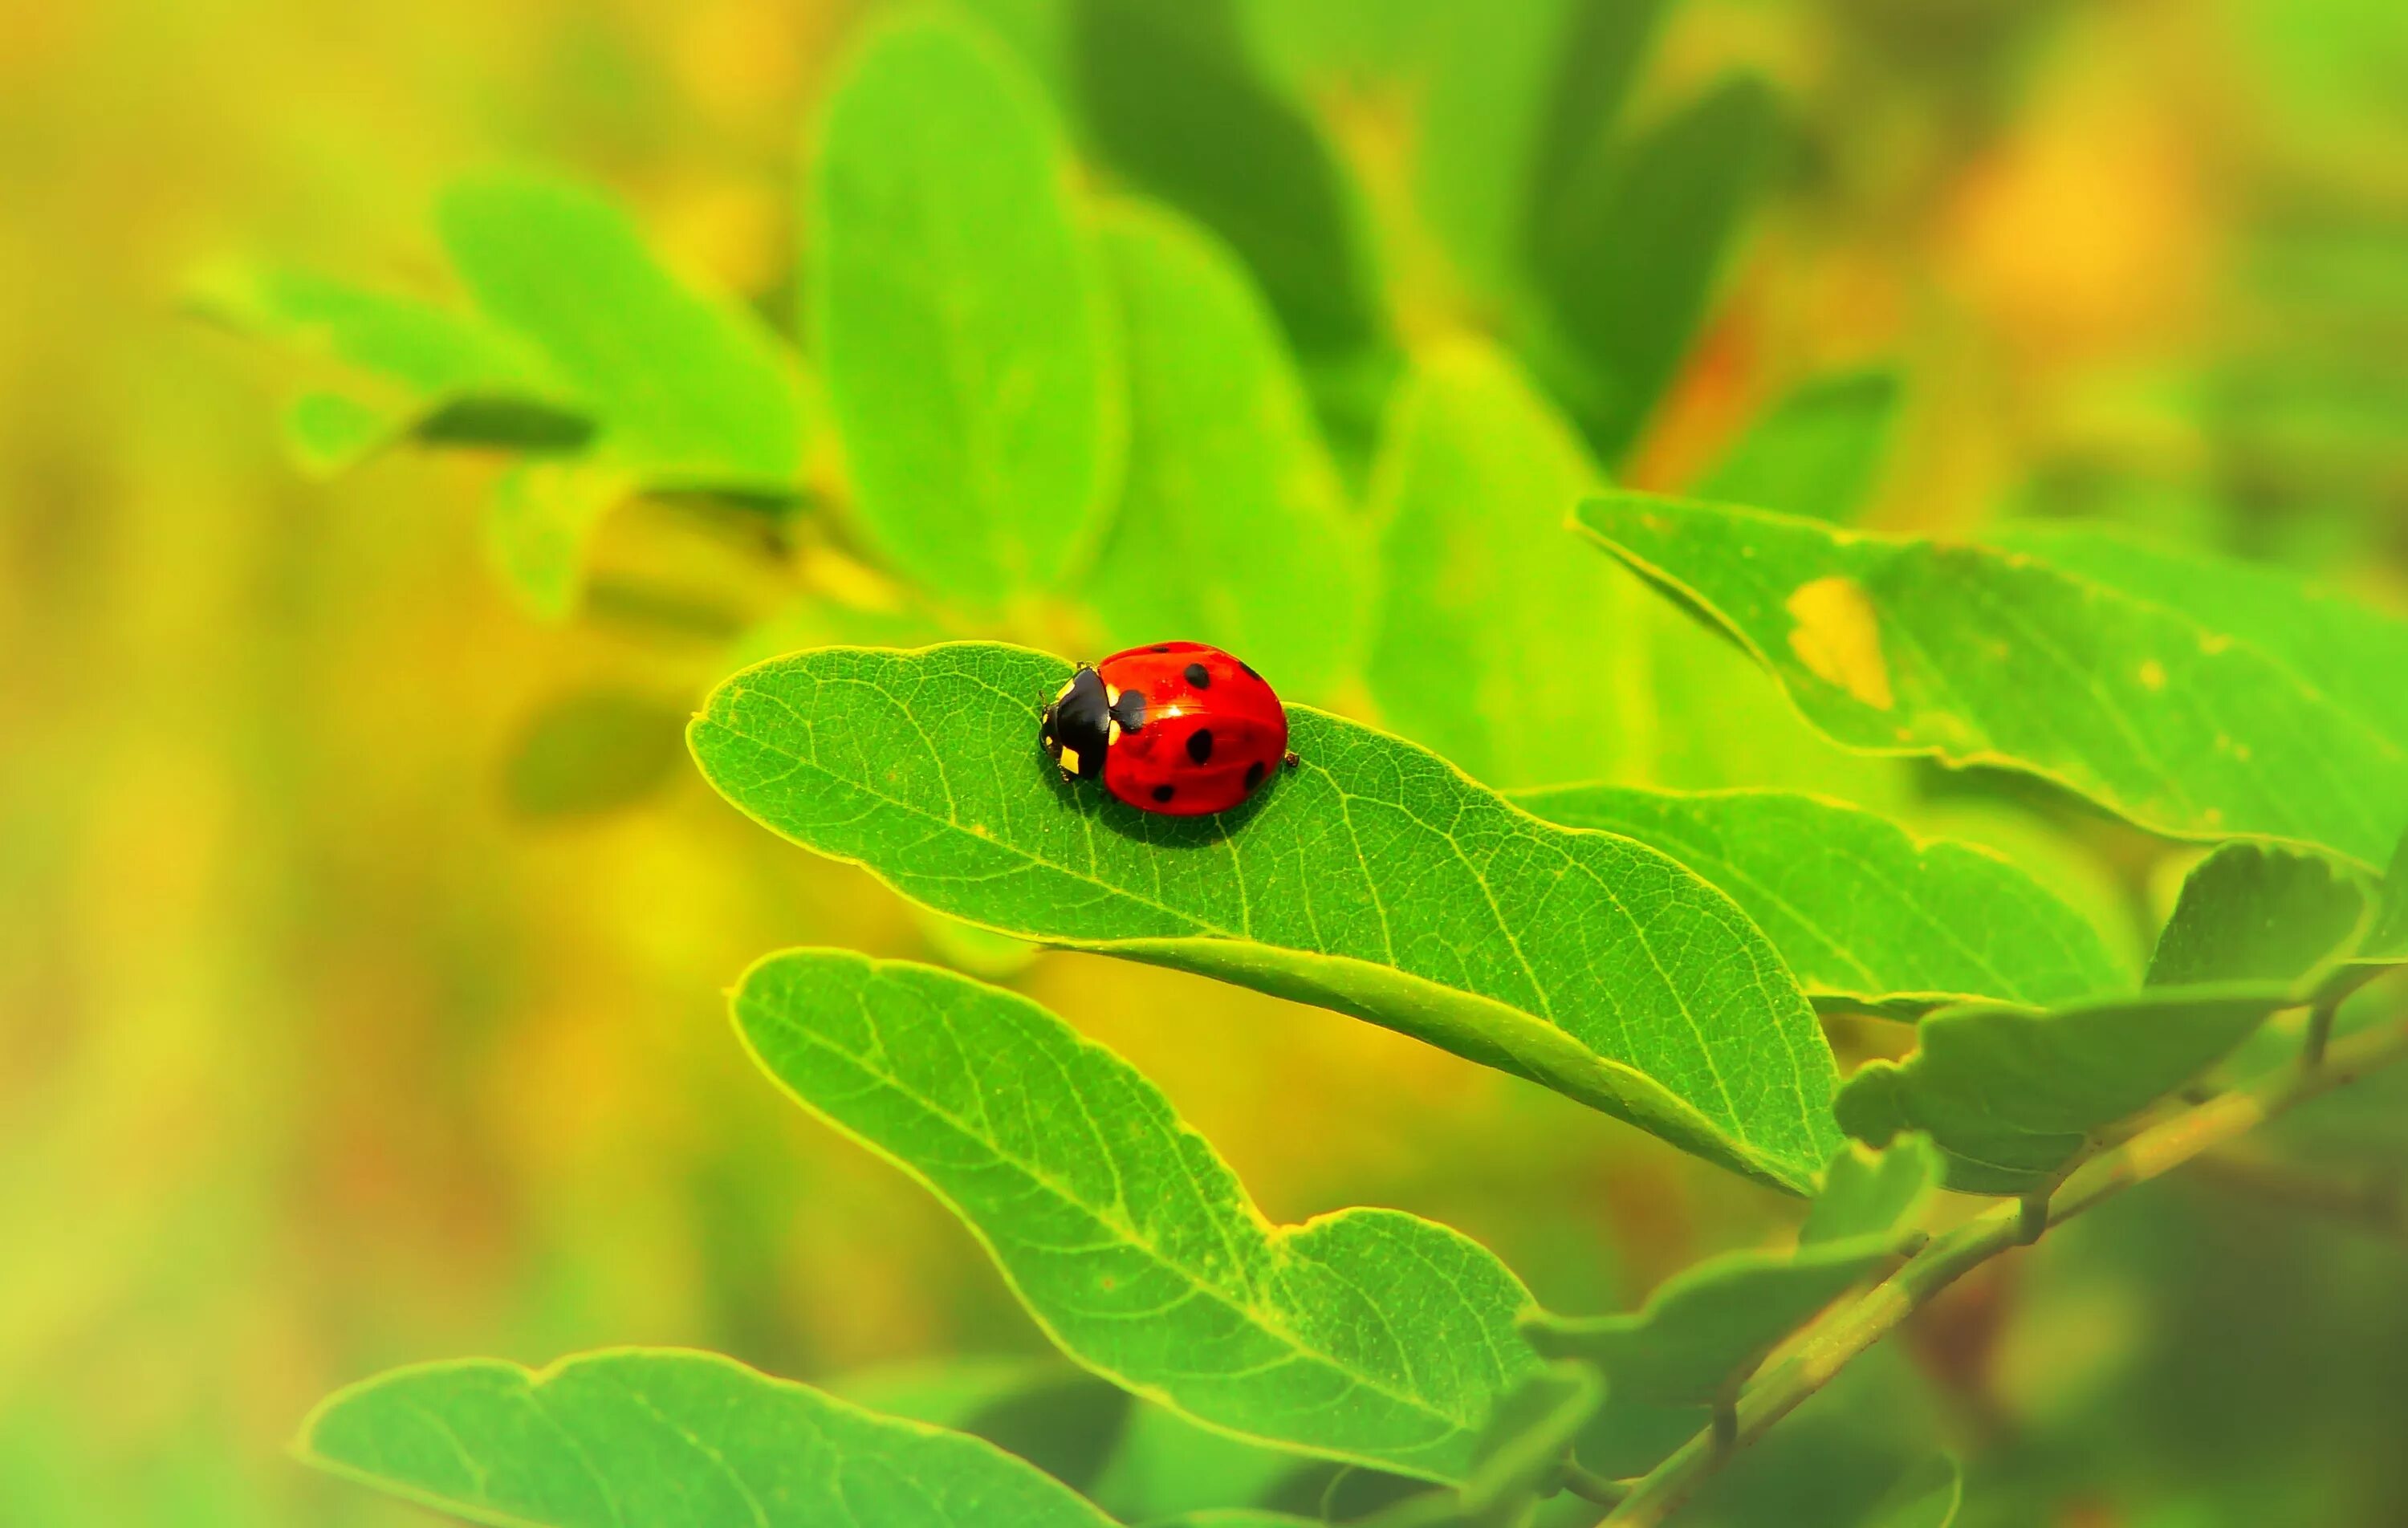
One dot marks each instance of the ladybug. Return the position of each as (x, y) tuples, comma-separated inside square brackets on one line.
[(1178, 728)]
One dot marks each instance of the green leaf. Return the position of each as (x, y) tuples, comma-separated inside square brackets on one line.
[(1368, 1335), (690, 389), (1708, 1327), (611, 1439), (407, 364), (1817, 453), (1493, 645), (2015, 1097), (1520, 1459), (2353, 653), (1864, 913), (1374, 879), (1164, 1464), (1233, 527), (2175, 718), (542, 518), (1929, 1497), (1517, 98), (2257, 912), (1175, 101), (1057, 1416), (960, 315), (1874, 1194), (1629, 258), (593, 751)]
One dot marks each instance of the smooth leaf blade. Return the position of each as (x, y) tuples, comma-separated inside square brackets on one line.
[(1233, 526), (2257, 912), (1524, 666), (1817, 453), (1368, 1334), (2015, 1097), (961, 319), (2172, 718), (690, 390), (610, 1439), (1374, 879), (1866, 914)]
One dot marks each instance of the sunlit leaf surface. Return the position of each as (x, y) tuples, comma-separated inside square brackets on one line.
[(1375, 879), (1368, 1335), (614, 1439), (2180, 716), (1865, 913)]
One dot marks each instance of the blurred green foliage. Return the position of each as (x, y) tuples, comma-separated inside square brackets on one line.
[(363, 941)]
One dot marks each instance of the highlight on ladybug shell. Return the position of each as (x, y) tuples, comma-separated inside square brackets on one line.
[(1180, 728)]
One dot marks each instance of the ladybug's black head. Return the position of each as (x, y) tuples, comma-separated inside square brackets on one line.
[(1078, 727)]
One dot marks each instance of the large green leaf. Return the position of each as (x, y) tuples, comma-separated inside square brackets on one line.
[(1866, 915), (2176, 717), (1631, 256), (1817, 453), (2257, 912), (1523, 665), (615, 1439), (1374, 879), (2353, 653), (1051, 1413), (1175, 100), (961, 317), (2013, 1097), (1368, 1336), (1233, 526), (690, 389), (1520, 1458), (1871, 1194)]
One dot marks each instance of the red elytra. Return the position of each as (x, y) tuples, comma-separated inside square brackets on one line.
[(1178, 728)]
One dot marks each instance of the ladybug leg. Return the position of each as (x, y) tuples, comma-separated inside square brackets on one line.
[(1291, 761)]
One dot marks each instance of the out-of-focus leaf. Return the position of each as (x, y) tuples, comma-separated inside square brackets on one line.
[(1865, 914), (541, 519), (1176, 102), (1521, 1455), (1817, 453), (1520, 662), (1164, 1464), (2257, 912), (961, 317), (1595, 58), (2015, 1096), (593, 752), (1629, 257), (1929, 1497), (1058, 1416), (1863, 1452), (611, 1439), (690, 390), (1374, 879), (1873, 1193), (1709, 1326), (1233, 527), (1368, 1336), (2176, 716), (414, 363)]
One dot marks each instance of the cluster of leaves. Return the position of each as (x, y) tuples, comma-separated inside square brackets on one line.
[(1033, 410)]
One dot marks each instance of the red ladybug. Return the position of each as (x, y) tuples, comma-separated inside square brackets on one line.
[(1178, 728)]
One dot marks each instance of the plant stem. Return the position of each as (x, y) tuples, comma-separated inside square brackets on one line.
[(1830, 1345), (2319, 1038)]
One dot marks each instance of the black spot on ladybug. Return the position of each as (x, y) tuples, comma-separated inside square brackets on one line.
[(1253, 773), (1162, 647), (1198, 675), (1199, 743), (1161, 792), (1129, 711)]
